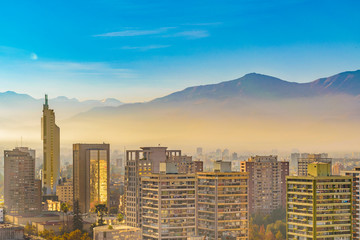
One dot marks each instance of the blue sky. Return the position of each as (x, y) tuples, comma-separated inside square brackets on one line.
[(138, 50)]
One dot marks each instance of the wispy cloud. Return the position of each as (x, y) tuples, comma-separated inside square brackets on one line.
[(145, 48), (203, 24), (194, 34), (132, 33)]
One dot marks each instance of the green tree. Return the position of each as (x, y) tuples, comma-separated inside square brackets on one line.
[(120, 217), (78, 222), (64, 207), (101, 210), (30, 229)]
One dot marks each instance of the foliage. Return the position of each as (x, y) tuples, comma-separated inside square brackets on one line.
[(120, 217), (78, 222), (74, 235), (268, 227), (110, 227), (101, 210), (30, 229)]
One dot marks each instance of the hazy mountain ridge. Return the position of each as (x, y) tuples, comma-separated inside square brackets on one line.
[(255, 111), (254, 85)]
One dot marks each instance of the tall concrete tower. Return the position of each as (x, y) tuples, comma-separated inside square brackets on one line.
[(50, 134)]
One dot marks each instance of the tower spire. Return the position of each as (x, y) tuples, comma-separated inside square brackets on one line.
[(46, 100)]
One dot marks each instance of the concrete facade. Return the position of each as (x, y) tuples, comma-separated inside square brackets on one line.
[(21, 190), (267, 183)]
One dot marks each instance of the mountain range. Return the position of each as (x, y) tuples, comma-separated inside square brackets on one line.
[(252, 112)]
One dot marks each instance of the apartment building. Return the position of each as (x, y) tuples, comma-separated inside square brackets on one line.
[(319, 205), (168, 204), (267, 183), (222, 203)]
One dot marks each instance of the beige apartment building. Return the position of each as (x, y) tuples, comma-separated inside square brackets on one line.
[(267, 183), (65, 192), (222, 203), (138, 163), (319, 205), (91, 175), (168, 205), (50, 135), (22, 192)]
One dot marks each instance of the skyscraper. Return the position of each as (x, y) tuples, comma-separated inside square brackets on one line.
[(319, 205), (50, 134), (91, 169), (267, 183), (22, 190)]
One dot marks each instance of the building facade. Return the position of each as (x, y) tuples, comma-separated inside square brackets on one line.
[(138, 163), (65, 192), (22, 191), (117, 232), (319, 205), (355, 175), (91, 180), (50, 135), (267, 183), (306, 159), (222, 205), (168, 210)]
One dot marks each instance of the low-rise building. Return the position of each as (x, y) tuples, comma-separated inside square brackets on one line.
[(10, 231), (122, 232)]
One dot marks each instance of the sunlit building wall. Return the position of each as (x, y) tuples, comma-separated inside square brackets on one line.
[(91, 181), (355, 175), (50, 135), (21, 190), (222, 205), (168, 210), (306, 159), (138, 163), (319, 205)]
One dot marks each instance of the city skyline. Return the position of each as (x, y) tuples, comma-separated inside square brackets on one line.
[(110, 48)]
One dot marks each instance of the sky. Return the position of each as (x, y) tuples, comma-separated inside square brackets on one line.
[(140, 50)]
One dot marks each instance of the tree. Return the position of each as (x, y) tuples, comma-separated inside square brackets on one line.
[(101, 209), (30, 229), (78, 222), (64, 207), (279, 236), (120, 217)]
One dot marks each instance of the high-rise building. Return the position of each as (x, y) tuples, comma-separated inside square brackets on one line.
[(91, 180), (355, 175), (306, 159), (168, 204), (50, 136), (199, 151), (22, 191), (337, 168), (319, 205), (267, 183), (140, 162), (222, 203)]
